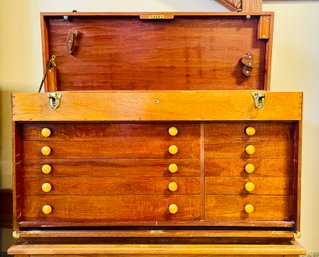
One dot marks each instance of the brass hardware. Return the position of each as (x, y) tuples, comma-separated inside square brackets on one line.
[(250, 131), (250, 149), (172, 186), (15, 234), (173, 131), (46, 209), (173, 208), (72, 41), (249, 168), (156, 101), (156, 16), (297, 235), (54, 100), (46, 132), (51, 64), (46, 169), (260, 99), (46, 150), (249, 208), (249, 186), (247, 61), (46, 187), (173, 149), (173, 168)]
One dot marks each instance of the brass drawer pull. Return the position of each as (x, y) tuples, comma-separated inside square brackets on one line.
[(249, 208), (46, 150), (249, 168), (46, 187), (46, 132), (249, 186), (250, 149), (173, 168), (250, 131), (173, 208), (173, 149), (172, 186), (46, 209), (173, 131)]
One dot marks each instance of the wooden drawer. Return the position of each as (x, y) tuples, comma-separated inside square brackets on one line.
[(110, 149), (279, 167), (232, 207), (112, 186), (236, 150), (236, 186), (236, 132), (112, 168), (103, 209), (119, 131)]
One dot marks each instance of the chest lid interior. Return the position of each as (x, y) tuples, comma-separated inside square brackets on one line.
[(161, 51)]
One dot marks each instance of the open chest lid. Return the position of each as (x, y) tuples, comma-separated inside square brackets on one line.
[(157, 51)]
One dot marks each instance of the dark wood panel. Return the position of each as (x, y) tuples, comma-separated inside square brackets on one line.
[(125, 53), (231, 207), (112, 186), (236, 167), (236, 186), (6, 208), (110, 149), (110, 208), (236, 150), (235, 131), (99, 131), (112, 168)]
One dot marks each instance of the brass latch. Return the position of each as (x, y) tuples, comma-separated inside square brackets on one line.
[(54, 100), (247, 61), (15, 234), (259, 99)]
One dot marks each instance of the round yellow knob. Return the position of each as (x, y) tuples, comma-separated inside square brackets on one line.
[(250, 149), (249, 186), (45, 150), (46, 209), (250, 131), (172, 208), (173, 149), (249, 208), (173, 168), (173, 131), (172, 186), (249, 168), (46, 168), (46, 187), (45, 132)]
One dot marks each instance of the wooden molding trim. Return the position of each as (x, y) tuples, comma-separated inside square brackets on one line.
[(6, 208)]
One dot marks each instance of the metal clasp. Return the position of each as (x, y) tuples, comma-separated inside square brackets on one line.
[(54, 100), (248, 65), (72, 41), (259, 99)]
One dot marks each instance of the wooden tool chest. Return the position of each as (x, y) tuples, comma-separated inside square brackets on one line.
[(157, 134)]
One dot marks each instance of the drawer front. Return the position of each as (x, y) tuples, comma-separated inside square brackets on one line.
[(237, 150), (111, 208), (232, 208), (112, 186), (237, 131), (245, 186), (113, 168), (279, 167), (118, 131), (110, 149)]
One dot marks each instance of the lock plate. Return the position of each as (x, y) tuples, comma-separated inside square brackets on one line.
[(259, 99), (54, 100)]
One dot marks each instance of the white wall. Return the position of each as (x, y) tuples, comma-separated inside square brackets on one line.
[(295, 68)]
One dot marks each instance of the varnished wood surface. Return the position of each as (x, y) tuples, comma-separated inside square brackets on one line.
[(112, 168), (236, 150), (231, 207), (278, 167), (236, 186), (203, 58), (108, 149), (156, 106), (112, 186), (111, 208), (162, 249), (120, 130)]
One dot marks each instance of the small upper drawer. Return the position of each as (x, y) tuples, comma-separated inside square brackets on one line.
[(248, 131), (100, 131)]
